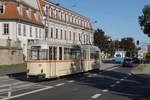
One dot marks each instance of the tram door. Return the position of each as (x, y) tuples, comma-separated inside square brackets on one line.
[(52, 58)]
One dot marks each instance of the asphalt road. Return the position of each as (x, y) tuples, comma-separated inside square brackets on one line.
[(116, 83)]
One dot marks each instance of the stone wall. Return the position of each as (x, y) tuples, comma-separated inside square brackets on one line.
[(11, 55)]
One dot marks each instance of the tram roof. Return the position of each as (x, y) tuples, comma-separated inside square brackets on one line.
[(41, 42)]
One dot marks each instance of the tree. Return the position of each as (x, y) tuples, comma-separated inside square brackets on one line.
[(144, 20), (103, 41), (127, 44)]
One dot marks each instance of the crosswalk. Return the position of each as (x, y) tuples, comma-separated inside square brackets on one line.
[(9, 85)]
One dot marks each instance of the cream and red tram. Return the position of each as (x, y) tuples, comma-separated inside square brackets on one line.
[(51, 60)]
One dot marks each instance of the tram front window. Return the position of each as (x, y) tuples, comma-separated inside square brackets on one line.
[(39, 54)]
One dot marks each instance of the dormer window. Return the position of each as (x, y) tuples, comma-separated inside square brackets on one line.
[(20, 9), (29, 13), (36, 16), (2, 7), (46, 7)]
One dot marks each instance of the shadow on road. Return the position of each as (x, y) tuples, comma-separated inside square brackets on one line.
[(135, 87)]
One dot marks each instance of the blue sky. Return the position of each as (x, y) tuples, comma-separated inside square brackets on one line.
[(118, 18)]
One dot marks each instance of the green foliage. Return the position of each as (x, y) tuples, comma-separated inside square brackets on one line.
[(144, 20), (13, 66), (103, 42)]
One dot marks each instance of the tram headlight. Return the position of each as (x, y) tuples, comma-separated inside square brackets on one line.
[(41, 70), (28, 70)]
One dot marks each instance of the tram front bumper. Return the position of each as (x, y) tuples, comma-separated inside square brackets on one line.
[(30, 75)]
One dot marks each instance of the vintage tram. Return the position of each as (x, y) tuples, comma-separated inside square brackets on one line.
[(51, 60)]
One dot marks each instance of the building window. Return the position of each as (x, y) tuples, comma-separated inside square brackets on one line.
[(52, 12), (1, 8), (65, 17), (56, 14), (74, 36), (65, 35), (36, 32), (61, 34), (56, 33), (51, 32), (79, 37), (70, 35), (40, 33), (36, 16), (6, 29), (24, 30), (30, 31), (20, 10), (61, 15), (19, 29)]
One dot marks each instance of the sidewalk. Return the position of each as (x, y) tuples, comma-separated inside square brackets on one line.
[(145, 73)]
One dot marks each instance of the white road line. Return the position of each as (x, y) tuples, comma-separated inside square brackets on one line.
[(60, 84), (113, 85), (121, 79), (125, 77), (129, 74), (96, 96), (117, 82), (6, 85), (71, 81), (105, 90), (31, 92), (4, 77), (112, 68)]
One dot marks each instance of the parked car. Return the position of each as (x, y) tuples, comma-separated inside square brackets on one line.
[(127, 62), (135, 60)]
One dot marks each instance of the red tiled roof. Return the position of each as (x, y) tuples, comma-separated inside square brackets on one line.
[(11, 12)]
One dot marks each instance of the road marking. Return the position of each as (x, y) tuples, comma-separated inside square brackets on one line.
[(71, 81), (96, 96), (129, 74), (60, 84), (6, 85), (112, 68), (125, 77), (4, 77), (105, 90), (113, 85), (31, 92), (117, 82), (121, 79)]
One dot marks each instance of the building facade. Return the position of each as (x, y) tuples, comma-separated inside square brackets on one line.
[(20, 21), (64, 25), (43, 20)]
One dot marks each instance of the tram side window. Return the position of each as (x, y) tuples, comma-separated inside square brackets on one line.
[(39, 54), (94, 55), (43, 54), (66, 54), (60, 53), (34, 54), (50, 53), (55, 53), (75, 54)]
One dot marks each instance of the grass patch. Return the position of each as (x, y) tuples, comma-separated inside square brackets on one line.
[(13, 66), (140, 68)]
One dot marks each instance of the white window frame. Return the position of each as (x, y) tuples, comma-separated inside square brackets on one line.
[(19, 29), (6, 29)]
